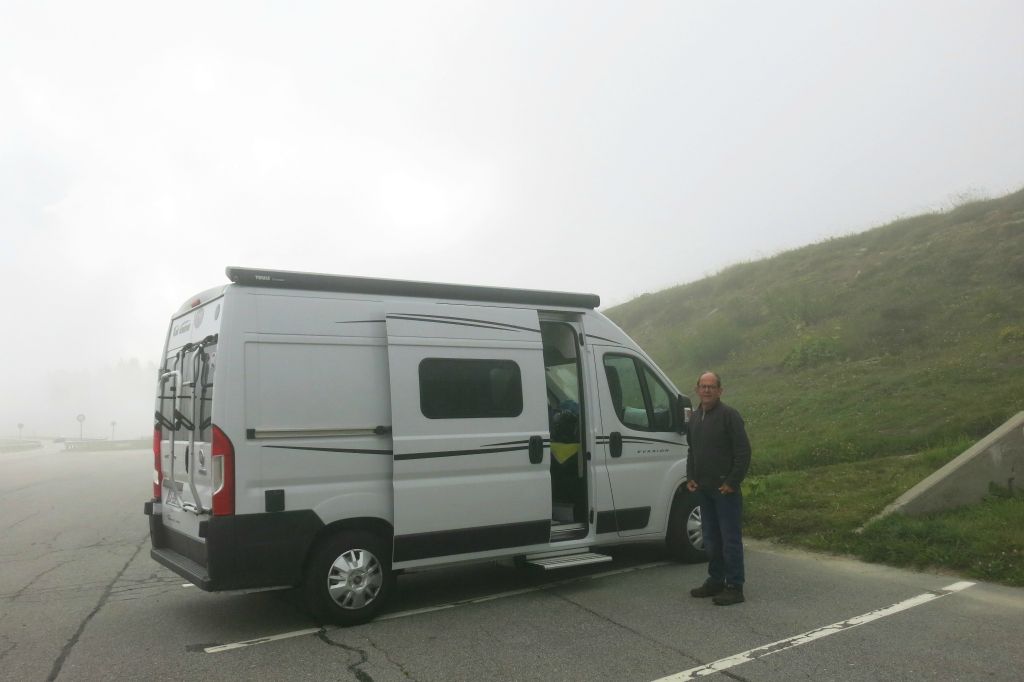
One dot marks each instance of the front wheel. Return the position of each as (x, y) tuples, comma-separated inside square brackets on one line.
[(349, 578), (684, 538)]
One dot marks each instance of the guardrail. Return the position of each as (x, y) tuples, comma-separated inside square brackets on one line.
[(108, 444), (20, 445)]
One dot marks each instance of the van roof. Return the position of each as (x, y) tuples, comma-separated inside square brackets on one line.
[(281, 279)]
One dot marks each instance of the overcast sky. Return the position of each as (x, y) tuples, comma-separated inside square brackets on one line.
[(613, 148)]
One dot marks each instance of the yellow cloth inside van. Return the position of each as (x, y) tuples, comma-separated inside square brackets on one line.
[(563, 451)]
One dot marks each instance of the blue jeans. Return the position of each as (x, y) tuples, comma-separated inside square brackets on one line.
[(720, 520)]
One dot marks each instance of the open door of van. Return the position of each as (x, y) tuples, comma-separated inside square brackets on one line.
[(470, 429)]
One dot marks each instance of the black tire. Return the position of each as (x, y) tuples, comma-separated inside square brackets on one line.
[(684, 539), (349, 578)]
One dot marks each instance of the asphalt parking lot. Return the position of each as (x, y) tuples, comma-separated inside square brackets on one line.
[(82, 600)]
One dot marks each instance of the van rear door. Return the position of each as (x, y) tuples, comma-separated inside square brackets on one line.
[(183, 415), (470, 429)]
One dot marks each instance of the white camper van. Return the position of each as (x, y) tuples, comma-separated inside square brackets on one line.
[(329, 432)]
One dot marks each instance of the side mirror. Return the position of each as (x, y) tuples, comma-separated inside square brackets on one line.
[(684, 410)]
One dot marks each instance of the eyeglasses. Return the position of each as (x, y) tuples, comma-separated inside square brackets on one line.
[(707, 387)]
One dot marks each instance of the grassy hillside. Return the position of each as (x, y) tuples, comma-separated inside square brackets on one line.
[(906, 337)]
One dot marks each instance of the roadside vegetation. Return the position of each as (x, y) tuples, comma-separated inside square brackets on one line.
[(862, 364)]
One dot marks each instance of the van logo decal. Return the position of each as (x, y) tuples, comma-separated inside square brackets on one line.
[(463, 322)]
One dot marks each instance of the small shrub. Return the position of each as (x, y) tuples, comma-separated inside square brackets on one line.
[(811, 352), (1011, 334), (756, 485)]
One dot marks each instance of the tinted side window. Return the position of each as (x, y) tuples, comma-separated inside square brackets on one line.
[(641, 401), (626, 391), (454, 388), (661, 401)]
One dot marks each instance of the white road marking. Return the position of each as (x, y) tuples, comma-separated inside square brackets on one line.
[(413, 612), (260, 640), (812, 635), (641, 567), (188, 585), (431, 609)]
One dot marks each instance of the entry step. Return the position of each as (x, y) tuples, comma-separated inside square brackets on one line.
[(565, 561)]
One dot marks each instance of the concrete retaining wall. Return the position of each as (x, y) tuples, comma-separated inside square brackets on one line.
[(997, 458)]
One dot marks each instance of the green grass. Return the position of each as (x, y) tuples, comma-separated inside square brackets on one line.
[(982, 541), (858, 359), (825, 507)]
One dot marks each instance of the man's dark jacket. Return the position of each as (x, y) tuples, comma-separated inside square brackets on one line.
[(719, 447)]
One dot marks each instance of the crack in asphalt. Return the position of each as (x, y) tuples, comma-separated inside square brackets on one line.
[(361, 675), (66, 651), (32, 582), (22, 520), (641, 635), (46, 548), (398, 665)]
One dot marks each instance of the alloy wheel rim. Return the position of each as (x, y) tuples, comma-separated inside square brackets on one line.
[(694, 534), (355, 579)]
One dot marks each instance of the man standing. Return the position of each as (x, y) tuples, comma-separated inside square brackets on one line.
[(718, 461)]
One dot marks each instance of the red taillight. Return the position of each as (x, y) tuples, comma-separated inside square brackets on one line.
[(158, 469), (223, 474)]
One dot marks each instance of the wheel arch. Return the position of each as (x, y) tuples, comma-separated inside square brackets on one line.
[(676, 536), (378, 527)]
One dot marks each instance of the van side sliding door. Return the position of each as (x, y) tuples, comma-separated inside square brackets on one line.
[(470, 430)]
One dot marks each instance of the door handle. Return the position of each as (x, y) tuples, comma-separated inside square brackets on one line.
[(615, 444), (536, 449)]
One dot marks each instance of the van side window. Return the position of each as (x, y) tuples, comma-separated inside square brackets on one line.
[(661, 402), (456, 388), (626, 391), (640, 400)]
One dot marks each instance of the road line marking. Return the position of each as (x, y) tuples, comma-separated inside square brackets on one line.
[(188, 585), (500, 595), (431, 609), (641, 567), (415, 612), (260, 640), (812, 635)]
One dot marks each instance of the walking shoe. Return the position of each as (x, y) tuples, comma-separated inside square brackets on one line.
[(708, 589), (730, 595)]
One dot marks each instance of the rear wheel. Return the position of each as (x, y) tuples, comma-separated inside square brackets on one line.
[(349, 578), (684, 539)]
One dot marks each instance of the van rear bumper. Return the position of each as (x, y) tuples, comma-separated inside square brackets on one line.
[(238, 552)]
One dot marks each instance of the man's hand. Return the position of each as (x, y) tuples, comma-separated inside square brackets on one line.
[(726, 489), (691, 486)]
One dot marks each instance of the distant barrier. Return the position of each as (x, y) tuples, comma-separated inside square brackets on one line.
[(142, 443), (19, 445)]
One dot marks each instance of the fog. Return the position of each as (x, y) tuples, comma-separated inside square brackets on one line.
[(603, 147)]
